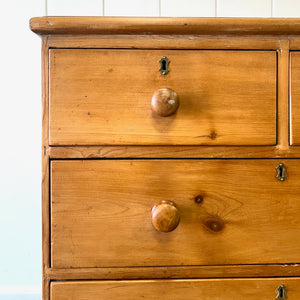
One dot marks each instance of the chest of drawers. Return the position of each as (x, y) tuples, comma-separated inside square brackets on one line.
[(170, 158)]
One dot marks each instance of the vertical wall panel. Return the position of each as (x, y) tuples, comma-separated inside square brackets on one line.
[(244, 8), (286, 8), (139, 8), (20, 159), (188, 8), (75, 7)]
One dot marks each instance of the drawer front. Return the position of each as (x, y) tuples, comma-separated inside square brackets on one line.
[(103, 213), (103, 97), (213, 289), (295, 99)]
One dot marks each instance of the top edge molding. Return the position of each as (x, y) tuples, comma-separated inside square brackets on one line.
[(164, 26)]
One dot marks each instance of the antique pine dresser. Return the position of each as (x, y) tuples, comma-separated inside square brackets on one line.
[(171, 154)]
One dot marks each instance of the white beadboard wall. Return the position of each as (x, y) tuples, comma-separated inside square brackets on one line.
[(174, 8), (20, 152), (20, 110)]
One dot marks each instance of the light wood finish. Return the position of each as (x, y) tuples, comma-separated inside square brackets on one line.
[(294, 42), (46, 285), (173, 152), (165, 102), (103, 97), (187, 26), (101, 211), (228, 271), (267, 222), (295, 99), (248, 289), (165, 42), (165, 216), (283, 94), (45, 172)]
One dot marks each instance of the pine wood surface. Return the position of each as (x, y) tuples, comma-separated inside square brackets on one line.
[(101, 212), (295, 99), (168, 42), (103, 97), (161, 25), (275, 35), (282, 96), (45, 172), (217, 289), (224, 271), (173, 152)]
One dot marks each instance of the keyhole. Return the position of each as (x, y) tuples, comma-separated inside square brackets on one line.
[(281, 292), (281, 172), (164, 65)]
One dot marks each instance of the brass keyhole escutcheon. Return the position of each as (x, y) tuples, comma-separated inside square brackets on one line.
[(281, 172), (281, 292), (164, 65)]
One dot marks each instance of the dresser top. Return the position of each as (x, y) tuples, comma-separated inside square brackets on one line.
[(165, 26)]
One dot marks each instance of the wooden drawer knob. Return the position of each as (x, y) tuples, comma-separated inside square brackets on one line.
[(165, 102), (165, 216)]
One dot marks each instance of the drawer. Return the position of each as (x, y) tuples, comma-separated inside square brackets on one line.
[(104, 97), (229, 212), (295, 99), (212, 289)]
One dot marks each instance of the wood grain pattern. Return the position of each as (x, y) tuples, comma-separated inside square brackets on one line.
[(173, 152), (165, 102), (283, 95), (248, 289), (187, 26), (226, 271), (295, 99), (261, 234), (45, 171), (103, 97), (165, 42), (101, 211), (165, 216), (294, 42)]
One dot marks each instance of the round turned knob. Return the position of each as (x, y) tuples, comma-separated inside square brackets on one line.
[(165, 216), (165, 102)]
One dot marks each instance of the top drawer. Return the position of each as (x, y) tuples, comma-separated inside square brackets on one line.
[(103, 97)]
